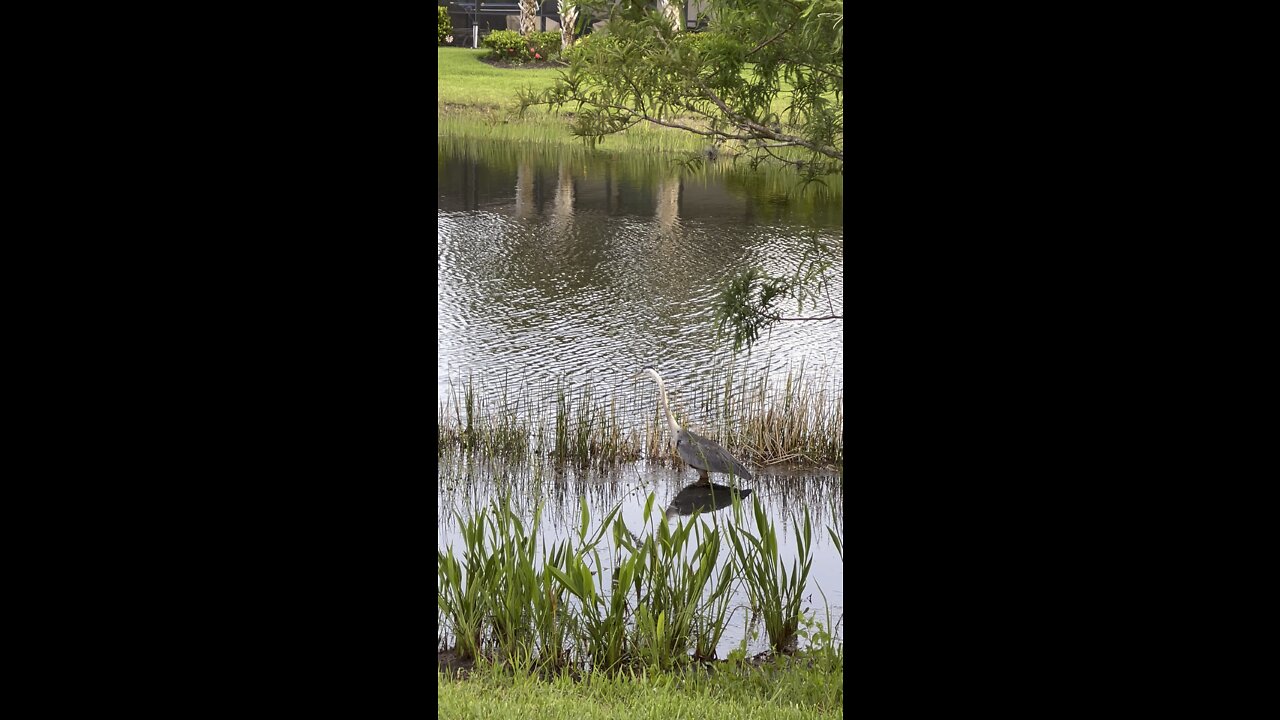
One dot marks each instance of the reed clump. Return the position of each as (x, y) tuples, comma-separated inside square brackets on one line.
[(796, 419), (801, 422)]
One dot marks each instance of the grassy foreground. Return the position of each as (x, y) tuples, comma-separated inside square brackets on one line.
[(779, 690)]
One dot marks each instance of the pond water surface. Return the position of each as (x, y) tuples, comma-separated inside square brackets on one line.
[(560, 267), (555, 264)]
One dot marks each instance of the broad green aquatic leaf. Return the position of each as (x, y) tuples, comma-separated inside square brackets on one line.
[(564, 580), (584, 573)]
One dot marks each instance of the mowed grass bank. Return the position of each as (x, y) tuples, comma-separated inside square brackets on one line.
[(465, 81), (475, 100)]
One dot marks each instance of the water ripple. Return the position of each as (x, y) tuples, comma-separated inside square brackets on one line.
[(544, 272)]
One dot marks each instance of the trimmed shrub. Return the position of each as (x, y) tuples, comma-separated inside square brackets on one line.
[(508, 45), (444, 28), (546, 44)]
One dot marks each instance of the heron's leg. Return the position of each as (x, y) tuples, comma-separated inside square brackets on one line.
[(704, 478)]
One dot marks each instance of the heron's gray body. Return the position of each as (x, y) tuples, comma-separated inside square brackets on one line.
[(706, 456)]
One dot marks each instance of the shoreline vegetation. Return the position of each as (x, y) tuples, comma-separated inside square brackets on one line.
[(798, 420), (556, 624)]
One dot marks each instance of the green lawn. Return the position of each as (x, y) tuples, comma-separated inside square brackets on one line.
[(754, 693), (464, 80), (477, 101)]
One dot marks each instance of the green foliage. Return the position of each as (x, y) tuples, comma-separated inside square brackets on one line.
[(775, 594), (767, 76), (676, 566), (546, 44), (511, 601), (508, 45), (586, 46), (460, 585), (511, 46), (444, 27), (744, 305), (750, 302)]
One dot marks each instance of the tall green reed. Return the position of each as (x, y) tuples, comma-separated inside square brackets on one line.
[(602, 612), (676, 566), (512, 582), (463, 587), (775, 594)]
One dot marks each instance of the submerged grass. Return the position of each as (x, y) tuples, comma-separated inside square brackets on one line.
[(798, 419)]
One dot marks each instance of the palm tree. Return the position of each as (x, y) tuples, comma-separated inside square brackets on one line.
[(528, 13), (673, 9), (568, 18)]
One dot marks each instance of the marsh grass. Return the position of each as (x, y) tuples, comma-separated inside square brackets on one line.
[(540, 128), (661, 604), (798, 419), (802, 422)]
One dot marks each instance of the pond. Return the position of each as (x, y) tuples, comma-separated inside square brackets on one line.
[(562, 271)]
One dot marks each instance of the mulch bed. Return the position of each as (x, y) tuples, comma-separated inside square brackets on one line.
[(534, 65)]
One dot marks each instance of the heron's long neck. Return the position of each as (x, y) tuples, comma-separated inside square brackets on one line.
[(671, 419)]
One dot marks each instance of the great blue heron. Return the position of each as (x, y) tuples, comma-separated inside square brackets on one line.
[(703, 455)]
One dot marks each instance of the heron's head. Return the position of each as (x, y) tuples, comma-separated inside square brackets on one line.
[(647, 371)]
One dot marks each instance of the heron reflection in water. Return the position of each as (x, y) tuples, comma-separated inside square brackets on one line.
[(702, 454), (706, 498)]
